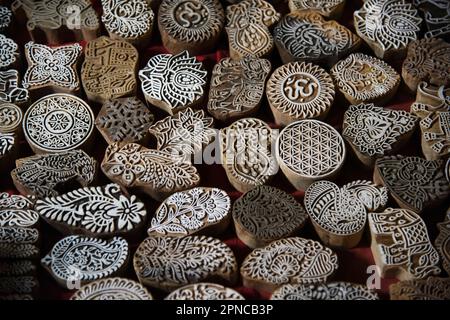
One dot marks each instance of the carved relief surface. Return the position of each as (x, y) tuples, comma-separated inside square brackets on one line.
[(362, 78), (96, 211), (329, 291), (237, 87), (124, 120), (173, 82), (307, 36), (7, 141), (5, 18), (246, 148), (327, 8), (291, 260), (415, 183), (265, 214), (18, 285), (168, 263), (109, 69), (387, 26), (432, 288), (58, 123), (431, 98), (112, 289), (17, 211), (435, 129), (191, 212), (401, 246), (52, 67), (85, 259), (39, 175), (17, 268), (9, 88), (9, 52), (299, 90), (10, 118), (204, 291), (247, 27), (442, 242), (437, 17)]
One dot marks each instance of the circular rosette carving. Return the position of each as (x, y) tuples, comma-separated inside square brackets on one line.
[(10, 117), (204, 291)]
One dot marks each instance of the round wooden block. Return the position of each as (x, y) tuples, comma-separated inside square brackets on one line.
[(204, 291), (328, 8), (58, 123), (299, 90), (192, 25), (362, 78), (307, 36), (310, 150), (387, 26), (291, 260), (10, 118), (112, 289), (432, 288), (265, 214)]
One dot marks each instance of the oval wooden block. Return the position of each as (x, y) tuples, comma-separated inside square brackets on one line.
[(109, 69), (9, 53), (329, 291), (124, 120), (291, 260), (112, 289), (128, 20), (10, 90), (196, 211), (173, 82), (39, 175), (427, 60), (248, 24), (414, 183), (309, 150), (204, 291), (401, 246), (298, 91), (339, 215), (373, 132), (362, 78), (432, 288), (168, 263), (387, 26), (237, 87), (80, 259), (265, 214), (246, 153), (192, 25), (49, 21), (307, 36), (93, 211)]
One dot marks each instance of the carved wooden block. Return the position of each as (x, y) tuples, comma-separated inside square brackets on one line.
[(124, 120), (339, 215), (266, 214), (109, 69), (437, 17), (442, 242), (10, 91), (112, 289), (7, 146), (58, 123), (173, 82), (299, 90), (291, 260), (329, 291), (432, 288), (5, 18), (39, 175), (18, 285), (248, 24), (447, 170), (328, 8), (310, 150), (237, 87), (52, 68), (9, 53), (192, 25), (49, 20), (435, 128), (19, 235), (387, 26), (93, 211), (168, 263), (401, 246), (18, 251), (414, 183), (204, 291), (195, 211), (373, 132), (84, 259), (427, 60), (15, 268), (246, 149), (10, 118), (307, 36), (362, 78), (431, 98), (128, 20)]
